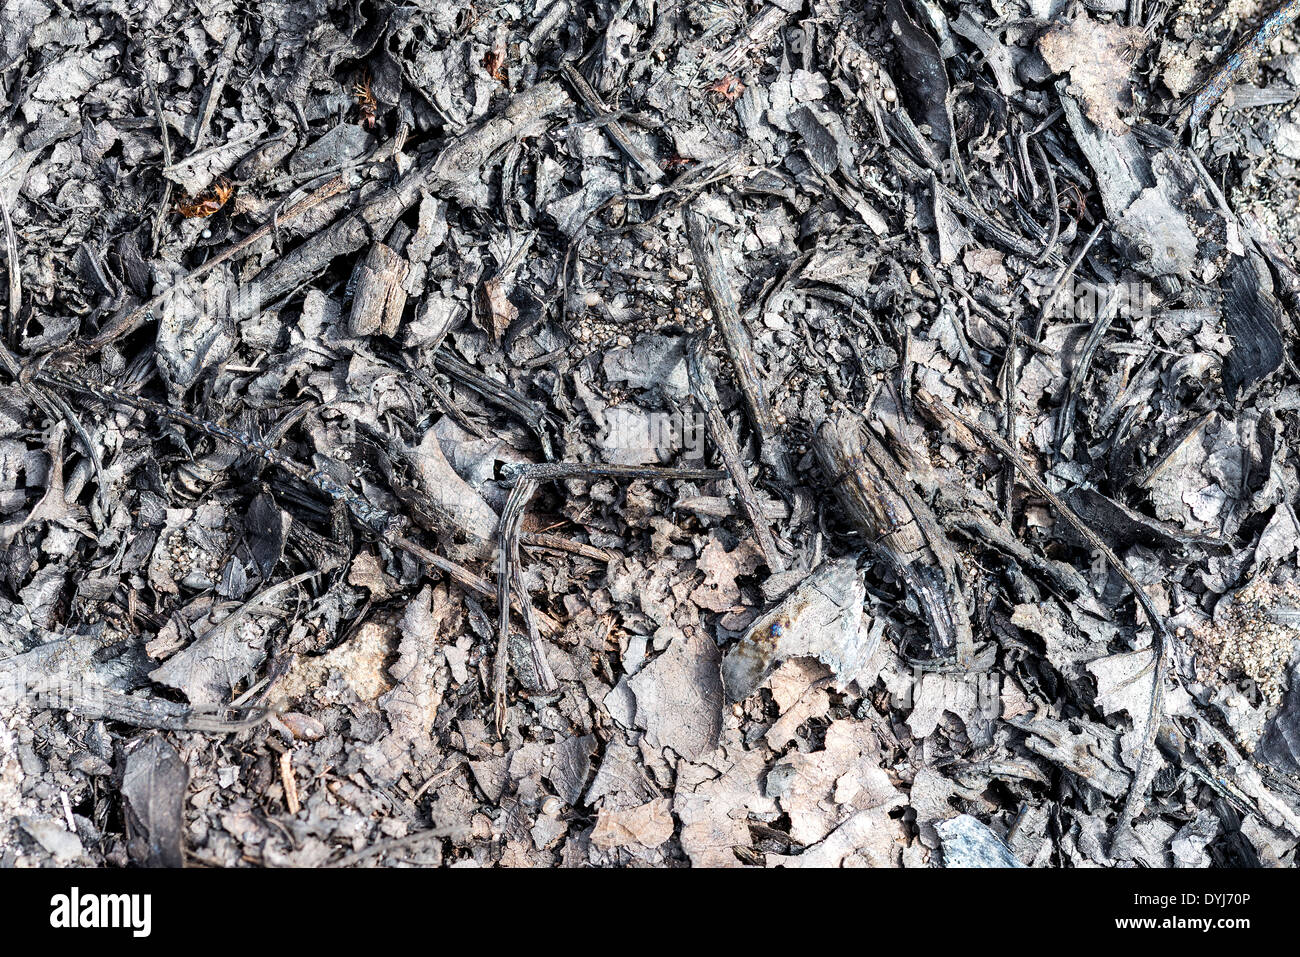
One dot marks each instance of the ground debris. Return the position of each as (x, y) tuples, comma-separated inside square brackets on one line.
[(764, 433)]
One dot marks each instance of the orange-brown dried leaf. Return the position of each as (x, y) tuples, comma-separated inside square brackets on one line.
[(729, 88), (494, 61), (206, 204), (366, 101)]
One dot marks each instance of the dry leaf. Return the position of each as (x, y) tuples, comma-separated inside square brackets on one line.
[(1099, 59)]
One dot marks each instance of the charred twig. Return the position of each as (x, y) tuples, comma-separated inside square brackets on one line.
[(88, 699), (904, 374), (497, 393), (470, 151), (1240, 60), (378, 295), (1010, 387), (1055, 232), (717, 289), (410, 843), (53, 406), (1011, 367), (548, 24), (998, 536), (442, 398), (509, 575), (371, 222), (995, 231), (1002, 325), (146, 312), (165, 138), (202, 156), (374, 518), (460, 160), (702, 387), (1062, 278), (758, 31), (848, 197), (899, 528), (558, 543), (15, 283), (678, 194), (557, 471), (1100, 326), (617, 132), (213, 97)]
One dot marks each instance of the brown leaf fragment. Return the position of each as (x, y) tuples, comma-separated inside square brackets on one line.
[(822, 789), (494, 62), (869, 838), (495, 300), (620, 781), (360, 662), (987, 263), (1099, 59), (719, 592), (961, 695), (366, 573), (799, 690), (715, 809), (648, 825), (679, 696)]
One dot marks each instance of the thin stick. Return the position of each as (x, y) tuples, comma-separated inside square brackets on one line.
[(726, 315), (1062, 279), (617, 132), (1241, 60), (706, 393)]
